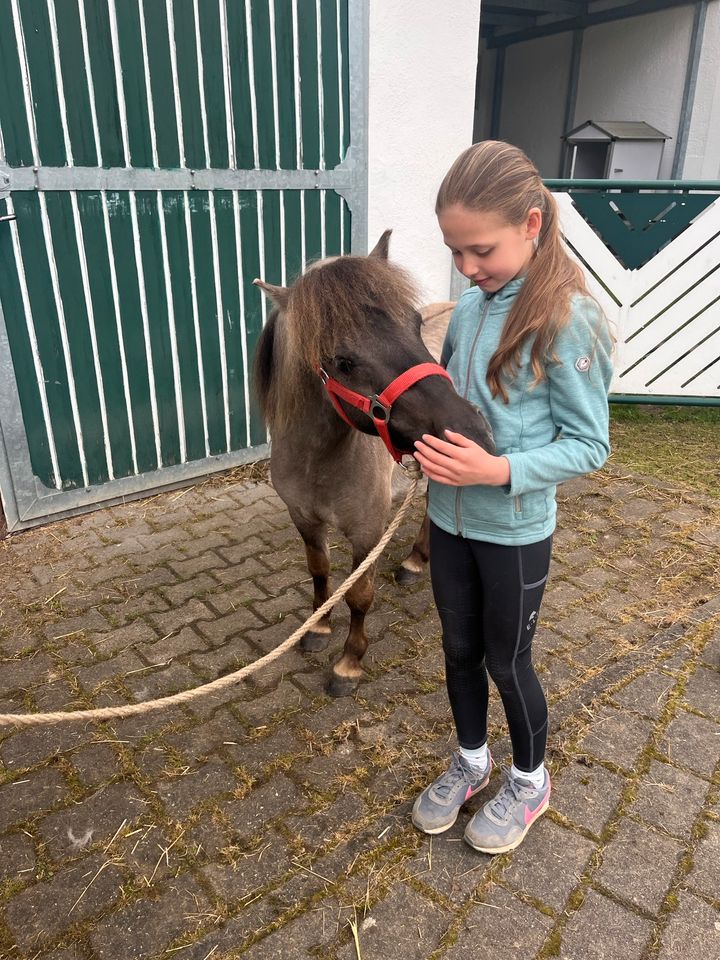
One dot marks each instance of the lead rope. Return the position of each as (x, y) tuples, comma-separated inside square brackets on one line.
[(132, 709)]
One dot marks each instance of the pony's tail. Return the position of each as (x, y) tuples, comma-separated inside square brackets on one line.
[(263, 374)]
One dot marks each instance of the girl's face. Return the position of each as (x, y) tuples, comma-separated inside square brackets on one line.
[(485, 248)]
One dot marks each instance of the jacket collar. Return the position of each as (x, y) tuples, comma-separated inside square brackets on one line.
[(509, 291)]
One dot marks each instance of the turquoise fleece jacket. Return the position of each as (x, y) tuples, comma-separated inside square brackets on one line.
[(550, 432)]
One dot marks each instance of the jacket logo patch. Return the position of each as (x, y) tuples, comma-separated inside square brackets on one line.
[(582, 364)]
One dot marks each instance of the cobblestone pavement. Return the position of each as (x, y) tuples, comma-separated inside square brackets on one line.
[(266, 823)]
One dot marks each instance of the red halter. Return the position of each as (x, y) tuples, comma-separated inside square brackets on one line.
[(379, 406)]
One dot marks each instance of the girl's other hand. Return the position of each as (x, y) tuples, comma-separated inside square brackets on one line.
[(460, 462)]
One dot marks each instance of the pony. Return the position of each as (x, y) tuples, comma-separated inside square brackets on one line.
[(352, 320)]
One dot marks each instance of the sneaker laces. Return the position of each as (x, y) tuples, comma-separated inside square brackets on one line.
[(449, 780), (509, 794)]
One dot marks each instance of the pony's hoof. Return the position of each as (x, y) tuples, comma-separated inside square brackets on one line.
[(341, 686), (405, 577), (312, 642)]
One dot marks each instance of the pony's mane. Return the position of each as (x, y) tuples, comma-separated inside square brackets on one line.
[(333, 303)]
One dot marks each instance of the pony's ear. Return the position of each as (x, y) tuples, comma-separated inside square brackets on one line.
[(382, 247), (278, 295)]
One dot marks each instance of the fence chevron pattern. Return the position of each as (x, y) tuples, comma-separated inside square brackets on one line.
[(665, 313)]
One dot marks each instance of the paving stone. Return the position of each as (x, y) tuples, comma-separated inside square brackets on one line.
[(96, 763), (647, 694), (549, 863), (603, 930), (198, 785), (616, 736), (693, 742), (704, 874), (151, 684), (276, 608), (43, 911), (218, 630), (587, 795), (179, 617), (33, 744), (148, 927), (703, 692), (423, 923), (250, 870), (647, 856), (501, 927), (71, 830), (316, 831), (447, 864), (257, 753), (136, 635), (670, 798), (580, 624), (90, 622), (131, 608), (692, 932), (23, 798), (285, 699), (246, 570), (17, 856), (250, 816), (178, 593)]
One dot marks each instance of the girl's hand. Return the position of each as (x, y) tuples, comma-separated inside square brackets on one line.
[(460, 461)]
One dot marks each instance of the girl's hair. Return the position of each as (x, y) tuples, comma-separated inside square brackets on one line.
[(498, 177)]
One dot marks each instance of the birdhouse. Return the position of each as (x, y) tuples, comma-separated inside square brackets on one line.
[(615, 150)]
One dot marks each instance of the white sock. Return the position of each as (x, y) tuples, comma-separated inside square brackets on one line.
[(536, 778), (476, 758)]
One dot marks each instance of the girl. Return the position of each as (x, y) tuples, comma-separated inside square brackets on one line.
[(530, 347)]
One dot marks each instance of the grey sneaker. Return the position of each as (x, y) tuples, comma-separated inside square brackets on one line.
[(437, 807), (501, 824)]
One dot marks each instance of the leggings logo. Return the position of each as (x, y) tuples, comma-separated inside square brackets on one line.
[(531, 620)]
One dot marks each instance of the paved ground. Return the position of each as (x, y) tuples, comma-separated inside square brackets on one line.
[(264, 824)]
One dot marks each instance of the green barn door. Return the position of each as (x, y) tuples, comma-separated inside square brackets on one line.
[(155, 157)]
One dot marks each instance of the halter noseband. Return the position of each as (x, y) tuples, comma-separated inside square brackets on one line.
[(379, 406)]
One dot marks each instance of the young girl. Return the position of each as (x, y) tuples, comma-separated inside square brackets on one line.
[(530, 347)]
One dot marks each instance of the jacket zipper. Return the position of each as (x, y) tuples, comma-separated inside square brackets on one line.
[(458, 492)]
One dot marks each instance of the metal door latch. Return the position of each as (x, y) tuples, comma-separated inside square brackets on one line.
[(8, 216)]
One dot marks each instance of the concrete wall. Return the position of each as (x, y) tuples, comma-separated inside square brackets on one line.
[(635, 70), (632, 69), (423, 60), (533, 103)]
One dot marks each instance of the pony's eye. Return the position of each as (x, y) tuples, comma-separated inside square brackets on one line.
[(343, 364)]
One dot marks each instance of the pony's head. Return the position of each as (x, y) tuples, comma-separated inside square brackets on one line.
[(357, 318)]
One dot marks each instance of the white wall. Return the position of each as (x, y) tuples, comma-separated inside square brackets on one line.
[(634, 69), (423, 60), (702, 159)]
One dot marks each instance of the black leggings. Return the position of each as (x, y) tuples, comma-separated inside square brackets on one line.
[(488, 597)]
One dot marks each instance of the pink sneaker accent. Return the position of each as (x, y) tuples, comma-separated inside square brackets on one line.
[(531, 815), (469, 793)]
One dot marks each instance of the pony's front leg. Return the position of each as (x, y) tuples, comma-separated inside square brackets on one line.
[(318, 564), (347, 672), (413, 566)]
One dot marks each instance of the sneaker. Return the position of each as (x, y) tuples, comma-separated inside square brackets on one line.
[(501, 824), (437, 807)]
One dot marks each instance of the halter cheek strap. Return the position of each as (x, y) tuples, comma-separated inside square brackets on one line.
[(379, 406)]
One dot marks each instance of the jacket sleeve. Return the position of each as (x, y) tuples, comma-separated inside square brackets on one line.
[(578, 381)]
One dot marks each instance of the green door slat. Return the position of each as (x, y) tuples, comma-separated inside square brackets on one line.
[(309, 111), (96, 252), (240, 82), (97, 21), (263, 83), (133, 82), (330, 84), (345, 47), (123, 245), (253, 303), (286, 84), (13, 119), (347, 223), (65, 247), (38, 44), (229, 286), (22, 359), (187, 67), (332, 223), (157, 309), (47, 332), (177, 241), (271, 236), (293, 238), (75, 85), (205, 284), (313, 226), (214, 83), (161, 84)]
